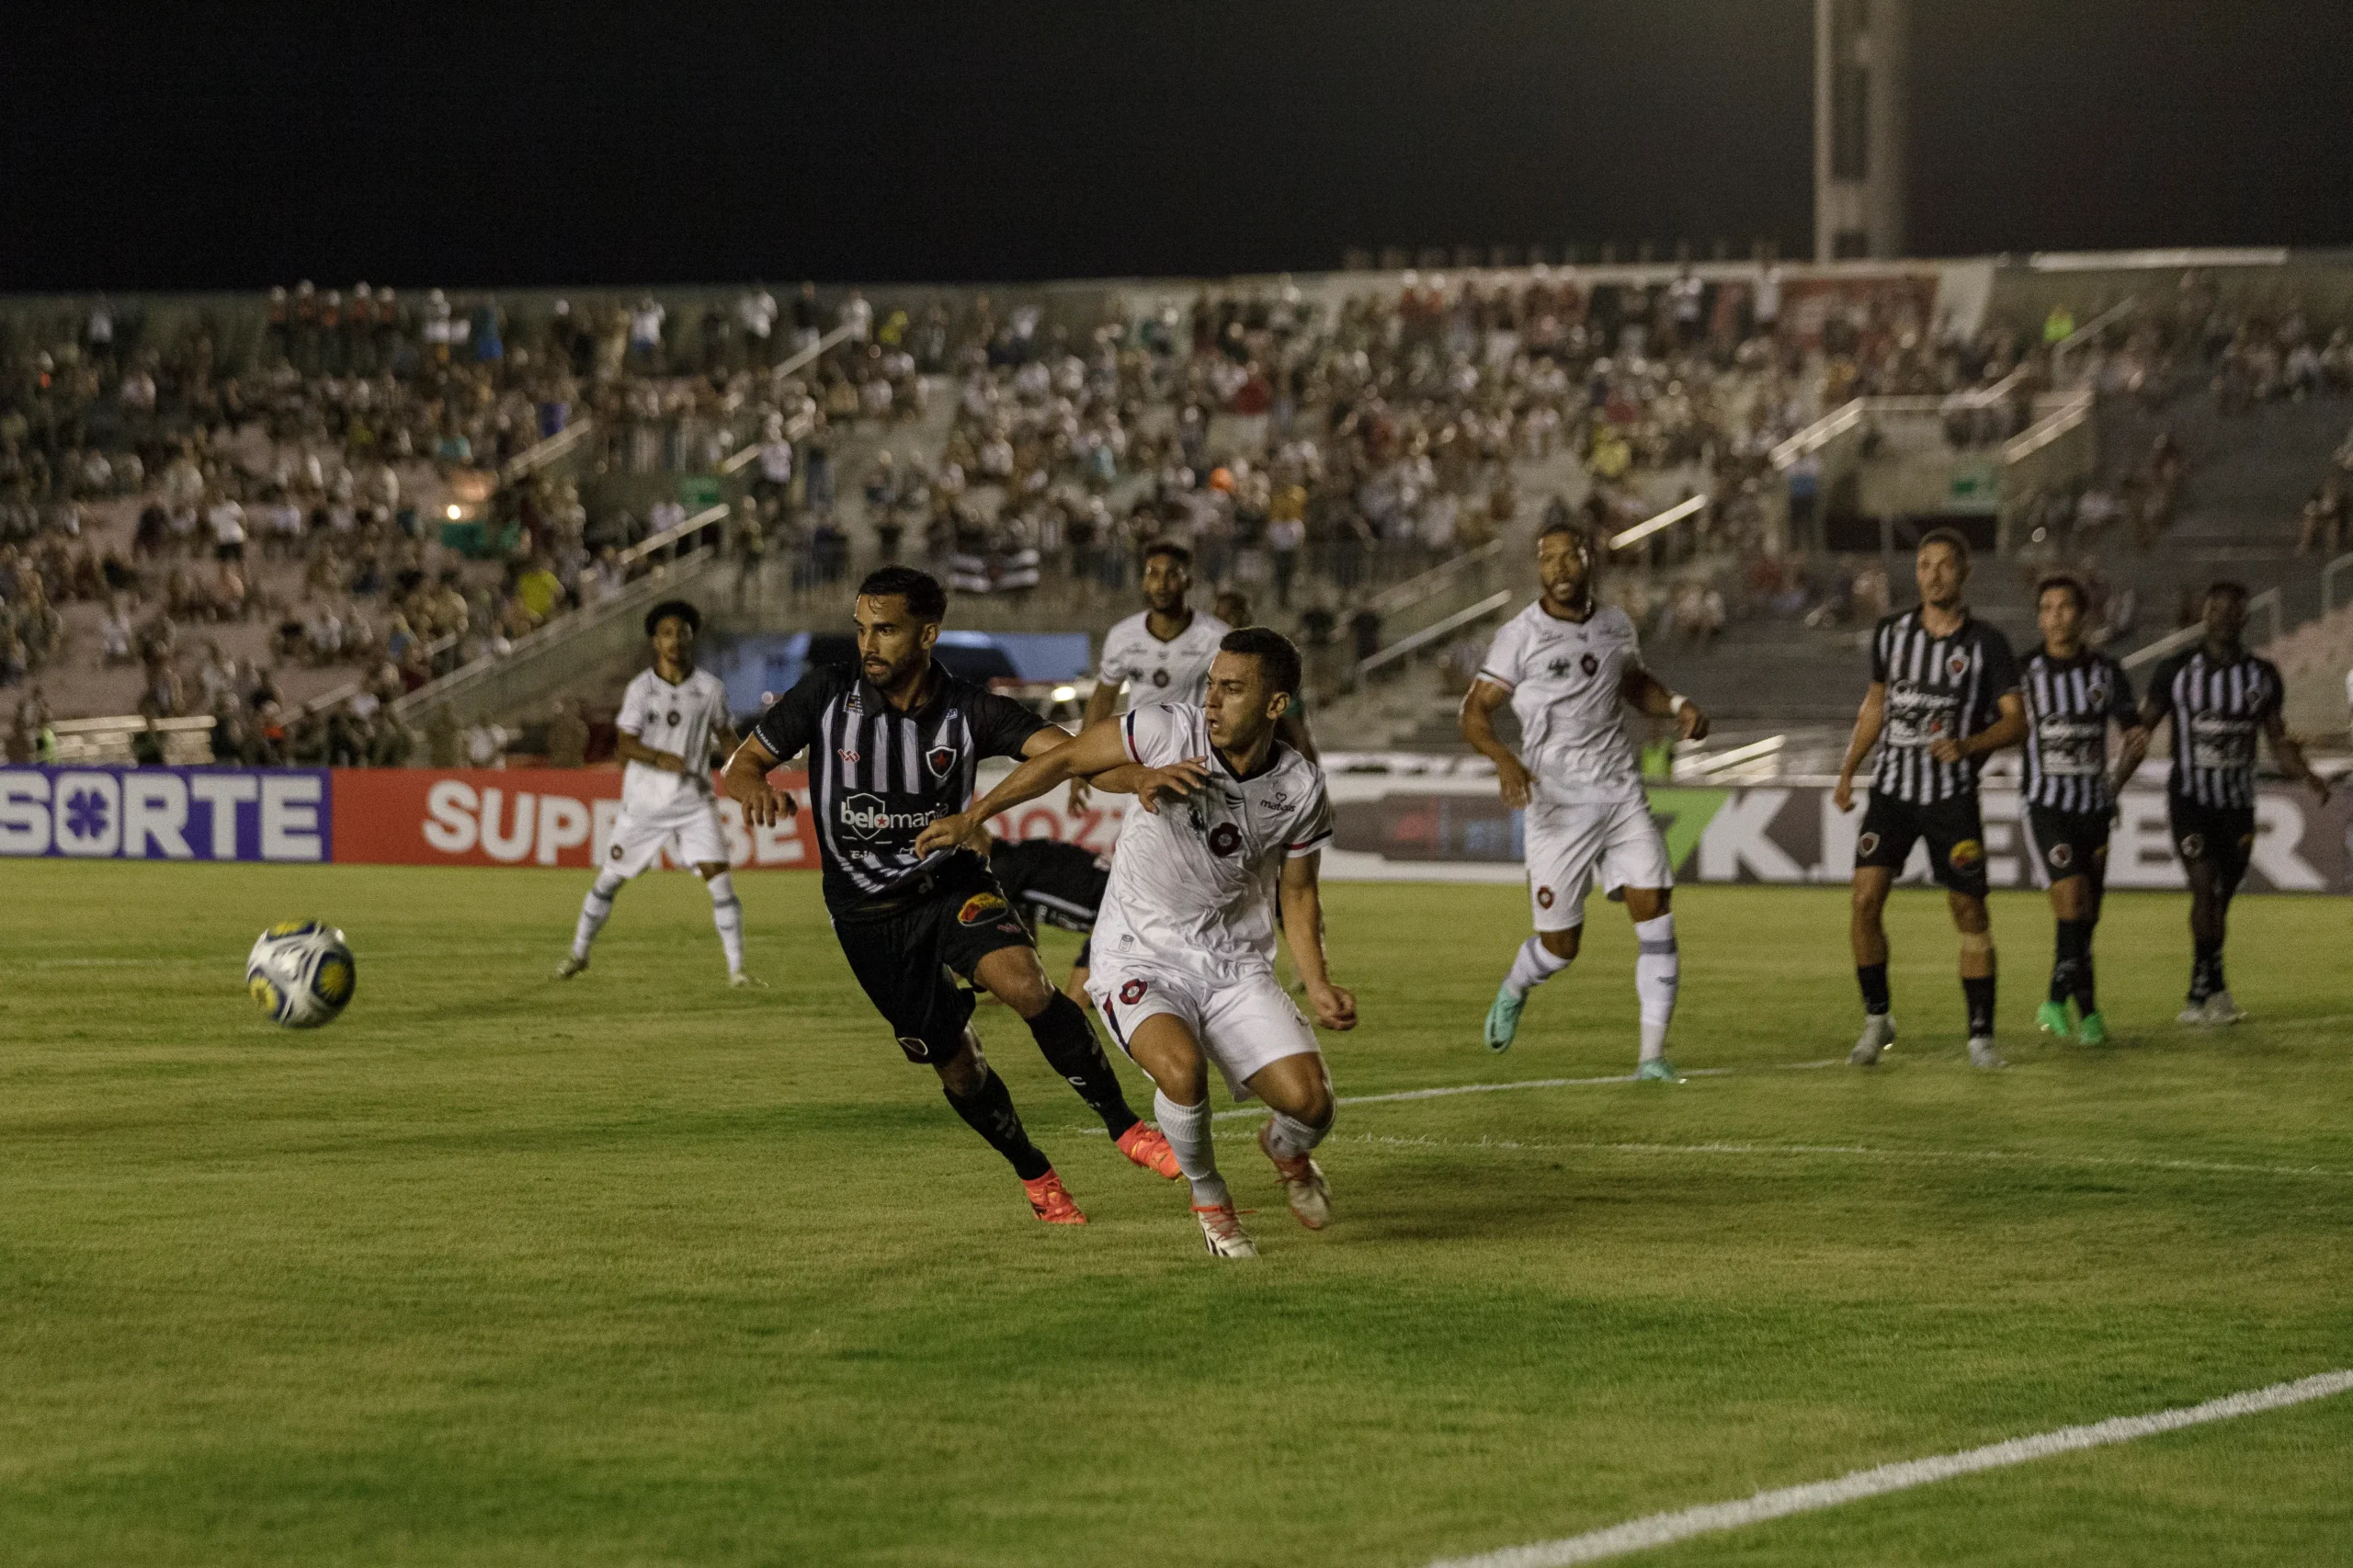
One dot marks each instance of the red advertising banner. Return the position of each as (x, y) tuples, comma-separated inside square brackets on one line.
[(544, 816)]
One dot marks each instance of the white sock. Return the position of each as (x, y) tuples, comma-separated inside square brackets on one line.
[(595, 910), (1658, 969), (727, 914), (1534, 966), (1290, 1137), (1187, 1127)]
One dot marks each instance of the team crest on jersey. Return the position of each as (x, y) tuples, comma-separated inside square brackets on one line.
[(1958, 666), (2063, 855), (2193, 845), (616, 852), (1965, 855), (979, 909), (1590, 664), (1224, 838), (1868, 844), (940, 759), (1132, 993), (1543, 898)]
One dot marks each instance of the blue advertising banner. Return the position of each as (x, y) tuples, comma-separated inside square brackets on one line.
[(167, 813)]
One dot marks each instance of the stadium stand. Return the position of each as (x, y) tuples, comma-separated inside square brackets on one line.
[(432, 496)]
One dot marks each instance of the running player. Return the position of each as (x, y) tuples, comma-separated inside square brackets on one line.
[(1059, 884), (1567, 665), (1944, 693), (892, 744), (1232, 821), (1160, 655), (2072, 693), (2218, 695), (672, 717)]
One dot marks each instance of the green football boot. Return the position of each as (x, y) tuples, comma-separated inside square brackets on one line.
[(2094, 1030), (2052, 1018), (1658, 1070), (1503, 1019)]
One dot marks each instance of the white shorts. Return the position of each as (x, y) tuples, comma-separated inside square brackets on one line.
[(1242, 1024), (689, 827), (1566, 842)]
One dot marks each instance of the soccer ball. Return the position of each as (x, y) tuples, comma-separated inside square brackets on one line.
[(301, 973)]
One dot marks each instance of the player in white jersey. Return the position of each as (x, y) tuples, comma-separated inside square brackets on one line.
[(672, 717), (1567, 665), (1161, 654), (1233, 824)]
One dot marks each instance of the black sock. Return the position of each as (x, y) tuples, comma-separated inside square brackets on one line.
[(2087, 1001), (990, 1113), (1979, 994), (1872, 978), (2205, 971), (2073, 955), (1066, 1039)]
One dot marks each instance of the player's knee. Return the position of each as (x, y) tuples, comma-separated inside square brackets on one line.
[(707, 869), (1562, 944), (1312, 1105), (1968, 916)]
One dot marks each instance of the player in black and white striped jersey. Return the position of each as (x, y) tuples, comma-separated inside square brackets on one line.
[(894, 744), (1943, 695), (2218, 695), (2073, 693)]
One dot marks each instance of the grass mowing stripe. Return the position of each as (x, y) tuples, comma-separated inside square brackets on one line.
[(1662, 1530), (1927, 1156)]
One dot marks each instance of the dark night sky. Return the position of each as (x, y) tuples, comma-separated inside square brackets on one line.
[(877, 140)]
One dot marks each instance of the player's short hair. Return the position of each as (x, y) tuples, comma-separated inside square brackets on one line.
[(1580, 536), (669, 608), (926, 600), (2074, 584), (1277, 659), (1171, 548), (1951, 539), (2232, 586)]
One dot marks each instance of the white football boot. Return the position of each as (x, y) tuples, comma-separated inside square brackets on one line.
[(1222, 1231), (1879, 1033)]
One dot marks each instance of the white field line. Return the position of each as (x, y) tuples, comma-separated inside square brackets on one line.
[(1448, 1089), (1660, 1530), (1855, 1151)]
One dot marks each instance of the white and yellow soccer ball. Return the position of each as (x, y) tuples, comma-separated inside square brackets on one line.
[(301, 973)]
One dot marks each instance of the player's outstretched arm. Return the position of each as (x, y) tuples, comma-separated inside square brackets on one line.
[(1650, 694), (746, 779), (628, 748), (1479, 705), (1099, 749), (1302, 902), (1869, 719), (1100, 702)]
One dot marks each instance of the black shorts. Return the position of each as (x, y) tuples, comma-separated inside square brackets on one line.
[(2068, 843), (1953, 827), (908, 951), (1086, 958), (2223, 836)]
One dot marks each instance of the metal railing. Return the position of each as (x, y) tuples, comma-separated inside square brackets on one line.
[(1405, 646), (2328, 582), (2091, 329), (1691, 507), (2050, 427), (738, 460), (1423, 586), (2174, 641)]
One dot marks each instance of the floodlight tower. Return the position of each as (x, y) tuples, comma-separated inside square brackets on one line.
[(1859, 128)]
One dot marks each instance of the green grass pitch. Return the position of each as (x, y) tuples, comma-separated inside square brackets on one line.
[(637, 1270)]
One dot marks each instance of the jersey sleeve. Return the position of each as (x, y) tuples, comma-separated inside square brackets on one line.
[(1501, 665), (2275, 693), (2159, 702), (2122, 706), (631, 718), (1117, 669), (1879, 654), (792, 720), (1157, 734), (1312, 829), (2001, 665), (1001, 727)]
